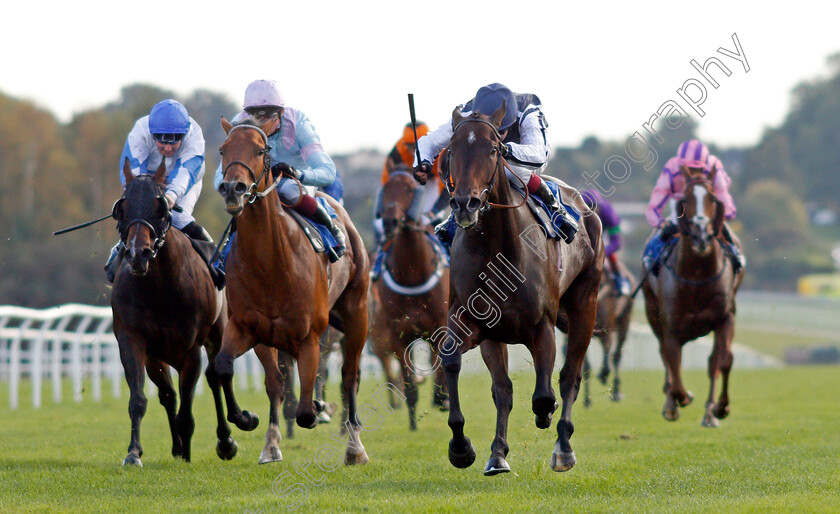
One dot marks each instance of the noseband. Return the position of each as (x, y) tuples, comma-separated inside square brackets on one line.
[(157, 239)]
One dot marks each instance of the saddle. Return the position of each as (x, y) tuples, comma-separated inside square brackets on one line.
[(542, 212), (311, 229), (206, 250)]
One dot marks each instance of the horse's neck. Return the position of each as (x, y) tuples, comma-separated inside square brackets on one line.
[(690, 264), (504, 226), (411, 256), (263, 233)]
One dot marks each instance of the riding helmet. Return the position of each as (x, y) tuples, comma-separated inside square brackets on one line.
[(263, 93), (489, 98), (169, 117)]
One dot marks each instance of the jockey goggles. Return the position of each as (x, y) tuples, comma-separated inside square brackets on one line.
[(262, 115), (168, 139)]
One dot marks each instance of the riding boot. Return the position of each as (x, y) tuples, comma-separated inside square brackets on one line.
[(114, 261), (195, 231), (739, 260), (563, 222), (323, 217)]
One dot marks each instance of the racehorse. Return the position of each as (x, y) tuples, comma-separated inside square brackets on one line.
[(695, 296), (500, 254), (165, 308), (612, 325), (281, 291), (412, 292)]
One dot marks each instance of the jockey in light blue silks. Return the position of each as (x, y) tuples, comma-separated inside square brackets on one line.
[(295, 150), (168, 133)]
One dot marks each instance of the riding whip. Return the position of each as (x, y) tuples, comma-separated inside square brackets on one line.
[(414, 126), (91, 222)]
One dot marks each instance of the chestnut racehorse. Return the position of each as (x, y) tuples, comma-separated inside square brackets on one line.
[(694, 294), (505, 288), (412, 295), (281, 291), (165, 308)]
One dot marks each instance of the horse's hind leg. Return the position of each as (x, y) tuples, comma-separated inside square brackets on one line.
[(159, 374), (409, 386), (622, 329), (543, 351), (187, 379), (581, 305), (133, 363), (275, 380), (719, 361), (355, 321), (286, 365), (495, 356)]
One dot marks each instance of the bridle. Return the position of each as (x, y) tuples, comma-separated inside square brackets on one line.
[(250, 194), (157, 239), (411, 218), (501, 163)]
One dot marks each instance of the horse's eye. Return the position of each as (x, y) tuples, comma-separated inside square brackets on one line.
[(221, 152)]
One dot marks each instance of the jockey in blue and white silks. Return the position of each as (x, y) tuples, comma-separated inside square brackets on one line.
[(167, 133)]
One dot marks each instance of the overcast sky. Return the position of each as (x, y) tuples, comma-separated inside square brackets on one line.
[(601, 68)]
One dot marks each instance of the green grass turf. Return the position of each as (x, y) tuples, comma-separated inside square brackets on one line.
[(779, 450)]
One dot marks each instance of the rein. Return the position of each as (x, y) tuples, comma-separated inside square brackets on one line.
[(501, 163), (700, 282)]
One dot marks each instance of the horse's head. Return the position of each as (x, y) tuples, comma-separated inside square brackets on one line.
[(473, 163), (401, 203), (143, 217), (701, 213), (244, 155)]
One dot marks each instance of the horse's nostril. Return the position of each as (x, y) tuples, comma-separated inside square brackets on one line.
[(146, 254), (473, 204), (240, 188), (223, 187)]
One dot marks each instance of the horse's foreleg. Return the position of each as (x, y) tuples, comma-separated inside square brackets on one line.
[(675, 394), (307, 360), (441, 395), (461, 451), (235, 342), (543, 351), (581, 306), (622, 329), (187, 379), (323, 373), (409, 386), (158, 372), (495, 356), (720, 362), (226, 447), (274, 388), (133, 363), (587, 372)]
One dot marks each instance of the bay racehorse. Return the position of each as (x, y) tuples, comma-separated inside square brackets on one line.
[(165, 308), (506, 288), (612, 325), (281, 291), (412, 293), (694, 294)]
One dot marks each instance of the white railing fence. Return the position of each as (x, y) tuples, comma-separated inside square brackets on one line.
[(77, 342)]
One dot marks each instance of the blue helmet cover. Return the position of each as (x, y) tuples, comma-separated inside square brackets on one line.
[(169, 117)]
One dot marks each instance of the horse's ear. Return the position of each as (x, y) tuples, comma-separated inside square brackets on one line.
[(160, 174), (456, 117), (498, 116), (129, 176), (226, 125), (713, 173)]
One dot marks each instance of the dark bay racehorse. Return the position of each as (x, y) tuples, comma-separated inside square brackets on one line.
[(694, 294), (281, 291), (165, 308), (412, 295), (612, 325), (506, 289)]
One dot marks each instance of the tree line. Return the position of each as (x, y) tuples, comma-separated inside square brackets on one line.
[(54, 175)]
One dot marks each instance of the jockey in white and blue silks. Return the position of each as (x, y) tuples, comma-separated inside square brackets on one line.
[(167, 133), (526, 147), (295, 149)]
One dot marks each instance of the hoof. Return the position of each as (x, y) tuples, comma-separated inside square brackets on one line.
[(721, 412), (307, 421), (270, 455), (247, 422), (563, 461), (351, 459), (710, 421), (495, 466), (671, 414), (323, 418), (132, 460), (461, 459), (543, 408), (227, 450), (444, 406), (684, 402), (616, 396), (319, 405), (587, 402)]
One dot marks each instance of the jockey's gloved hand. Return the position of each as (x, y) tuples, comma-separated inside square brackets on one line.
[(170, 200), (421, 172), (505, 149), (669, 230), (286, 169)]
